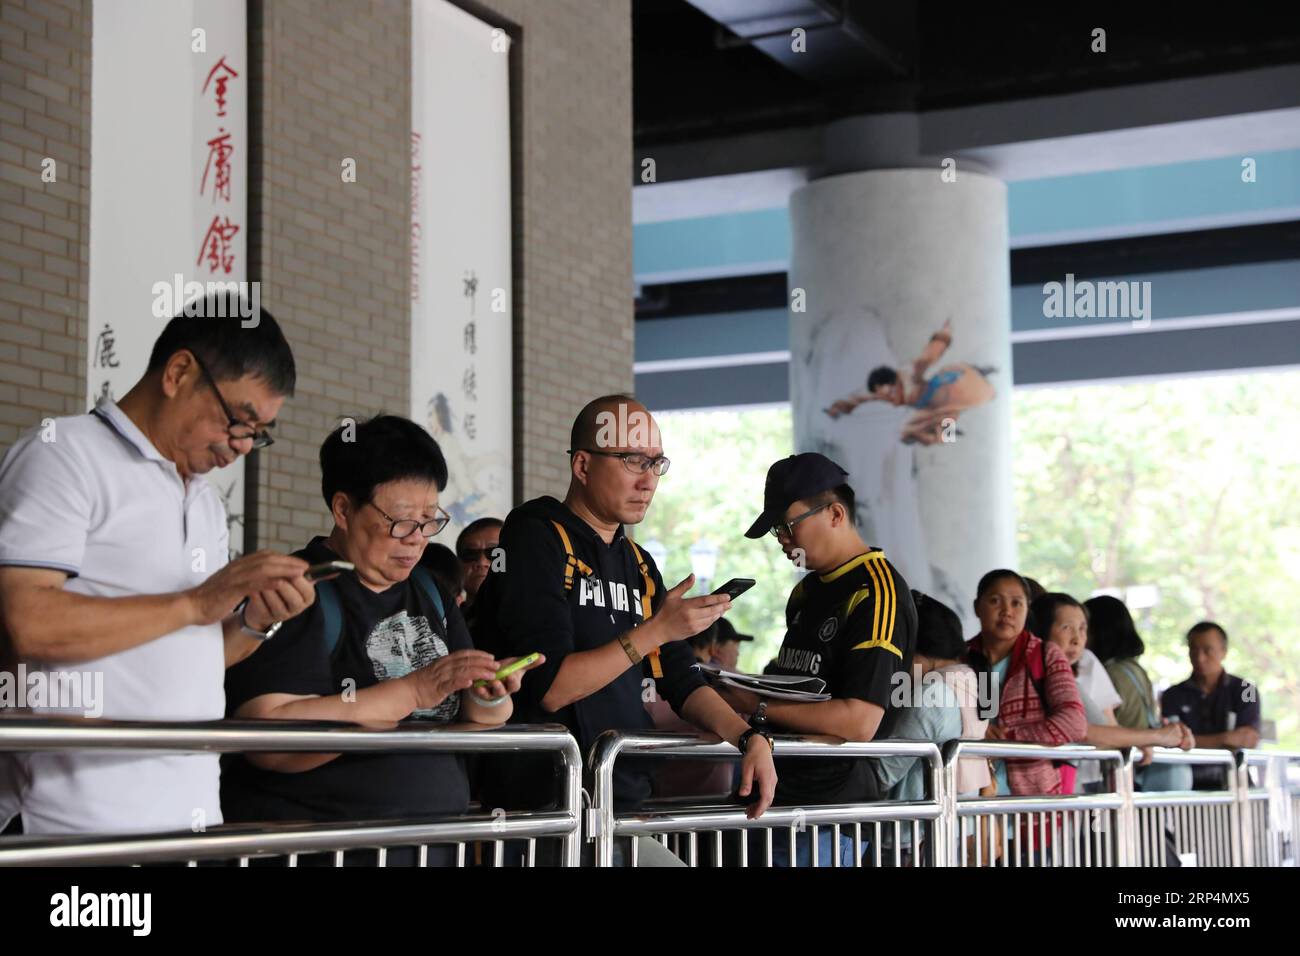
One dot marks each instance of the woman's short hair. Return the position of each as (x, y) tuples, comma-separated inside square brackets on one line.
[(1042, 611), (1111, 632), (938, 629), (357, 457), (996, 575)]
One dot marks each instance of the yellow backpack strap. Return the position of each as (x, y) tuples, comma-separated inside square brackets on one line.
[(647, 609), (571, 563)]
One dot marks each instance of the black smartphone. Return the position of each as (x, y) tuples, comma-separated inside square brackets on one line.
[(328, 569), (736, 587)]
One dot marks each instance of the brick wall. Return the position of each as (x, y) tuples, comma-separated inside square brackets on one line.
[(331, 79), (44, 227), (572, 95)]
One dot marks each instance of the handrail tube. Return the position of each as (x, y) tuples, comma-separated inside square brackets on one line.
[(286, 839), (25, 734), (1184, 798), (1197, 757), (956, 749), (1003, 805)]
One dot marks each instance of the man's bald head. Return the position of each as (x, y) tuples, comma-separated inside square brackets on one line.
[(613, 422)]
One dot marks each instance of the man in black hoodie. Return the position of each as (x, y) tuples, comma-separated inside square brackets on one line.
[(575, 587)]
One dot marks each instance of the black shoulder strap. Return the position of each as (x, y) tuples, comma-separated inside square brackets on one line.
[(424, 581), (1040, 682), (328, 597)]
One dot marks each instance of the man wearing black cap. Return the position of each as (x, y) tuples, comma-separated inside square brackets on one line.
[(850, 622), (726, 645)]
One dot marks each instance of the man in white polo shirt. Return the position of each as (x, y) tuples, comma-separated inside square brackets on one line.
[(114, 572)]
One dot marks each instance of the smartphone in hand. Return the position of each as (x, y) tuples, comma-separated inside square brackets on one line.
[(328, 569), (736, 587)]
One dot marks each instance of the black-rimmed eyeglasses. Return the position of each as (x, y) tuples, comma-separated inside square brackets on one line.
[(787, 527), (404, 527), (237, 429), (633, 461)]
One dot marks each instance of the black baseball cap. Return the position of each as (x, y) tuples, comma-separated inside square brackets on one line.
[(791, 479), (727, 632)]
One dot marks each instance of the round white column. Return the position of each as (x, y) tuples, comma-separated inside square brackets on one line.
[(884, 257)]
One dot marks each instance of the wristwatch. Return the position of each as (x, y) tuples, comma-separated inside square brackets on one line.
[(743, 742), (260, 635), (759, 718)]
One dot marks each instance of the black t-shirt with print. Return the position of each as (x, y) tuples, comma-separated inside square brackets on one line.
[(855, 628), (384, 635), (539, 602)]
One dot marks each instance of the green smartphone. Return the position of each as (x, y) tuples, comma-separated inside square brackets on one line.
[(511, 668)]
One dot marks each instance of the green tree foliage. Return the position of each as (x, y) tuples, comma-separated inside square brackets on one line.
[(713, 492), (1188, 485), (1191, 485)]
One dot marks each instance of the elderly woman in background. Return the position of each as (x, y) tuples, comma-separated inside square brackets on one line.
[(1113, 637), (1063, 621)]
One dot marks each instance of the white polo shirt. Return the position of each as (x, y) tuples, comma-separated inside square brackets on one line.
[(92, 496)]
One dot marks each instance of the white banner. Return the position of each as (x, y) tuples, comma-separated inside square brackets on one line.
[(168, 182), (460, 254)]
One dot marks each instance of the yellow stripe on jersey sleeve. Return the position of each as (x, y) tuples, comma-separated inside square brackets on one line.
[(883, 610), (866, 645)]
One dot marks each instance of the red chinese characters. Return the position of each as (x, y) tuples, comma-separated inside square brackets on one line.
[(223, 74), (219, 150), (216, 246), (217, 250)]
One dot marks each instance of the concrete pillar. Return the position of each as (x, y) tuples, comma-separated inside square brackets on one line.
[(884, 258)]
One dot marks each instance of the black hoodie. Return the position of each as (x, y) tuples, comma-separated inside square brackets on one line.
[(525, 607)]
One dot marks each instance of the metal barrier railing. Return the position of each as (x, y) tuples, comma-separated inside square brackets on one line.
[(1013, 831), (1201, 827), (606, 826), (242, 843), (1272, 784), (1254, 820)]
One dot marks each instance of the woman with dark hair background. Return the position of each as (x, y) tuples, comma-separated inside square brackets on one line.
[(1038, 700), (1113, 637)]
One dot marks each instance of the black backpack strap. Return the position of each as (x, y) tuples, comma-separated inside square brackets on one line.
[(425, 582), (328, 598)]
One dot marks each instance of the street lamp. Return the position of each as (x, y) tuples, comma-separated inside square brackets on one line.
[(655, 548), (704, 561)]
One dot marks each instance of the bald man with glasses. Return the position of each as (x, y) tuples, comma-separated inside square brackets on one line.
[(576, 587)]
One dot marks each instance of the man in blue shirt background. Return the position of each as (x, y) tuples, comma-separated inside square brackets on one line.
[(1221, 709)]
